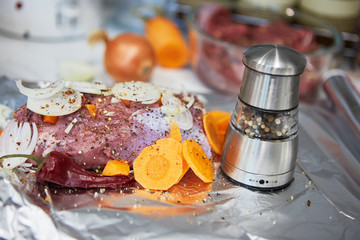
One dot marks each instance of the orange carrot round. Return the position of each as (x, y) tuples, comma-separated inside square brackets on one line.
[(212, 133), (159, 166), (165, 143), (222, 120), (170, 47), (116, 167), (197, 160), (175, 132)]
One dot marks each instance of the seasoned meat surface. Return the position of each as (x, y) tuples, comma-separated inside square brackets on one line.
[(117, 132)]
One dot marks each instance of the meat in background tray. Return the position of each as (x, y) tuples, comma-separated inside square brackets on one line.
[(218, 35)]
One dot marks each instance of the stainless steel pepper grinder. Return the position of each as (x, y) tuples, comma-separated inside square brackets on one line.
[(261, 143)]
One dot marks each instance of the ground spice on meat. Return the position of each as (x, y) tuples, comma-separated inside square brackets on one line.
[(130, 130)]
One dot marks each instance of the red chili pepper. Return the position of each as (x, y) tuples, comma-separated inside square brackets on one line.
[(60, 169)]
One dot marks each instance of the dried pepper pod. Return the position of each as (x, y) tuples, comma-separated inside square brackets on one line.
[(60, 169)]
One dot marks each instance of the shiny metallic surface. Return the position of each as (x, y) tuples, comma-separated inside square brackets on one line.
[(258, 163), (340, 91), (270, 92), (270, 87), (274, 59), (258, 181), (272, 77), (259, 156)]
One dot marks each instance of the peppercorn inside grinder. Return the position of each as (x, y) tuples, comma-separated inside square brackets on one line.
[(261, 142)]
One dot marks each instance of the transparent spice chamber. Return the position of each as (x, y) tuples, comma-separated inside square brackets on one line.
[(263, 124)]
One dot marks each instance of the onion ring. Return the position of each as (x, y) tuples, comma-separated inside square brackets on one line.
[(137, 91), (63, 103), (86, 87), (17, 138), (47, 92)]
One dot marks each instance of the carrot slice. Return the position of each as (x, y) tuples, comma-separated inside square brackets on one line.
[(159, 166), (212, 133), (92, 109), (219, 114), (175, 132), (126, 102), (197, 160), (184, 169), (50, 119), (159, 102), (191, 189), (185, 165), (222, 119), (116, 167), (1, 130)]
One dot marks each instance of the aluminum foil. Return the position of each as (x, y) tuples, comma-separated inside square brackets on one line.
[(344, 96), (322, 202)]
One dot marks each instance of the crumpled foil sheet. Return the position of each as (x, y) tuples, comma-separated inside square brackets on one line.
[(323, 201)]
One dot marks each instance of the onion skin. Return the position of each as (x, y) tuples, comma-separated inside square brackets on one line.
[(129, 57)]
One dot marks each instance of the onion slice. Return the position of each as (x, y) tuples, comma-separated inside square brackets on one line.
[(177, 110), (86, 87), (171, 105), (190, 99), (17, 138), (173, 111), (184, 120), (137, 91), (47, 92), (63, 103)]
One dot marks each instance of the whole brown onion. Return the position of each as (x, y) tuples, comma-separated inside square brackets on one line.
[(128, 57)]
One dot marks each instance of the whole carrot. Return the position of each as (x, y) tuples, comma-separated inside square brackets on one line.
[(170, 47)]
